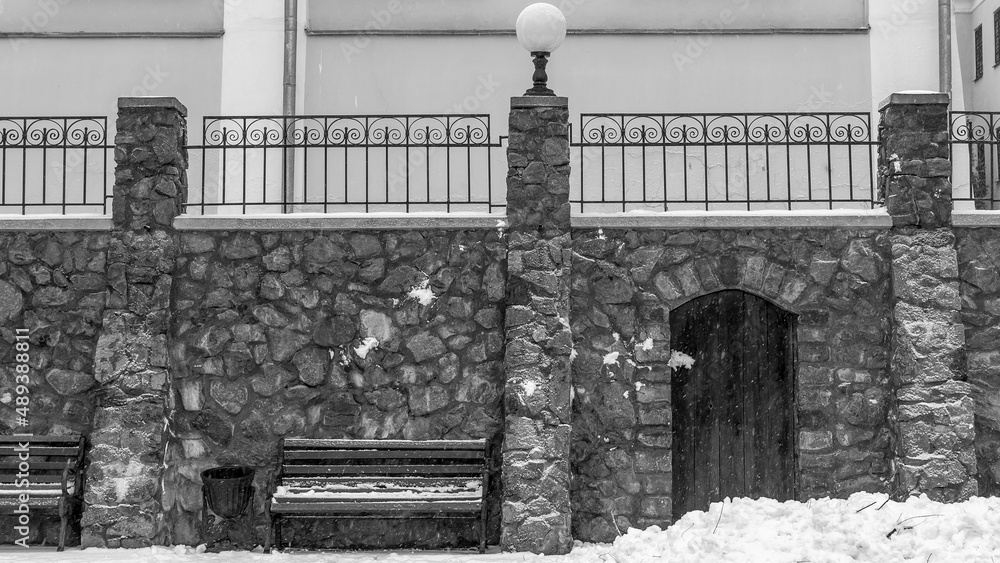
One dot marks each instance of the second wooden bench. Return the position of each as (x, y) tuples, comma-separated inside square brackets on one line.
[(42, 474)]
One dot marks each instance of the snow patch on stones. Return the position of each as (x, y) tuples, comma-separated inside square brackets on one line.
[(422, 293), (366, 346)]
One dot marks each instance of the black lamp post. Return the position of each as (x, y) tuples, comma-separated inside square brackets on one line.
[(541, 28)]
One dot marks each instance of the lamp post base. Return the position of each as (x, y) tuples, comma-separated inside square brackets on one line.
[(540, 79)]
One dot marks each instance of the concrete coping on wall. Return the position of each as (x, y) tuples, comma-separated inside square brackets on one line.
[(53, 222), (975, 218), (157, 102), (798, 219), (539, 102), (915, 98), (339, 221)]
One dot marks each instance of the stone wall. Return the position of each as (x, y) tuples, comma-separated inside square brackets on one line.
[(388, 335), (979, 272), (54, 285), (626, 282)]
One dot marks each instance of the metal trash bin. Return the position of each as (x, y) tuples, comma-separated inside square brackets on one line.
[(228, 490)]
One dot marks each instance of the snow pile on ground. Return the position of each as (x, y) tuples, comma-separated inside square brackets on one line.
[(865, 527)]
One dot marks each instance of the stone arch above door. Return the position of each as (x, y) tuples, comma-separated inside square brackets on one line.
[(754, 274)]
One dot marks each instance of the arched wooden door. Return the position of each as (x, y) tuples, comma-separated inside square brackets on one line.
[(733, 427)]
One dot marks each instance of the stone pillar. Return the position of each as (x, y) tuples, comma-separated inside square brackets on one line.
[(536, 506), (933, 404), (123, 490)]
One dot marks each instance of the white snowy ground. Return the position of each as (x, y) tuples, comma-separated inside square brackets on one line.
[(862, 528)]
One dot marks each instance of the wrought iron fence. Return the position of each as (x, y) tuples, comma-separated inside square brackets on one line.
[(346, 163), (975, 156), (660, 162), (54, 164)]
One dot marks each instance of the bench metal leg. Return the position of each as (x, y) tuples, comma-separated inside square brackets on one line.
[(482, 534), (270, 527), (277, 532), (204, 514), (62, 524)]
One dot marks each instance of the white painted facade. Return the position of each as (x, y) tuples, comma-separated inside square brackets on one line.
[(226, 57)]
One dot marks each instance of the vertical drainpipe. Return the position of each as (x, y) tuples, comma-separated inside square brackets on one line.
[(944, 44), (288, 92)]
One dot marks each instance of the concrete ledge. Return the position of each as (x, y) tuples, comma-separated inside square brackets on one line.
[(970, 218), (915, 98), (820, 219), (159, 102), (56, 223), (597, 31), (539, 102), (339, 221)]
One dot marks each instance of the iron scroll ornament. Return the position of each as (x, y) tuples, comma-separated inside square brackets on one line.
[(348, 131), (720, 129)]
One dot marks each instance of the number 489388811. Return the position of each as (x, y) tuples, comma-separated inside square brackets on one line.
[(22, 348)]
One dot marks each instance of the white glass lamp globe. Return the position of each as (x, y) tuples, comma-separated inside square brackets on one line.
[(541, 28)]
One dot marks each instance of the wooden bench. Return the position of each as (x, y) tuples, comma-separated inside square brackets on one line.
[(44, 474), (379, 479)]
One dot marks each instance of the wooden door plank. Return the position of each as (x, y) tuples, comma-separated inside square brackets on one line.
[(751, 444), (684, 379), (776, 405), (737, 484), (702, 475), (788, 393), (725, 406), (681, 423)]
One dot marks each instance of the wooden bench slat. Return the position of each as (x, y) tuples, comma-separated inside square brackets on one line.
[(6, 480), (390, 454), (39, 451), (379, 496), (382, 469), (402, 480), (378, 486), (32, 492), (37, 465), (39, 439), (35, 502), (471, 506), (307, 443)]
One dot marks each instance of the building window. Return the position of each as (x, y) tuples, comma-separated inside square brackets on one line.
[(996, 37), (979, 52)]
